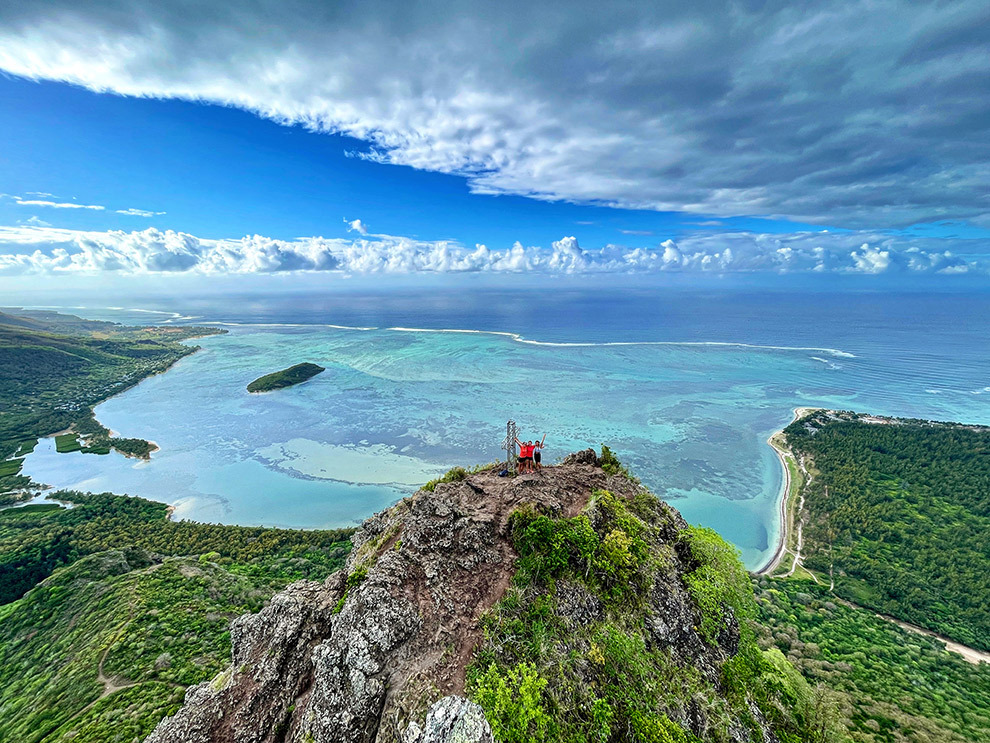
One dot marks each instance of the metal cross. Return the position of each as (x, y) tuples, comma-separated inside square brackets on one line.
[(509, 444)]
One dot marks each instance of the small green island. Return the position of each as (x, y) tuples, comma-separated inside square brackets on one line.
[(285, 378)]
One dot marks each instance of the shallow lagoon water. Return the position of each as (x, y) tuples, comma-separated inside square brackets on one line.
[(398, 406)]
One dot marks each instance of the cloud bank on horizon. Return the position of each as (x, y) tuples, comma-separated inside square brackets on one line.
[(862, 113), (31, 250)]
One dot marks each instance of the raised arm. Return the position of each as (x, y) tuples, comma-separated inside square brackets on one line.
[(544, 439), (521, 444)]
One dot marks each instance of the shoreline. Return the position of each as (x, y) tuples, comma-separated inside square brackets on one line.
[(153, 446), (783, 498)]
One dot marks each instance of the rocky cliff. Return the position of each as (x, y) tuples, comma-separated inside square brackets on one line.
[(569, 604)]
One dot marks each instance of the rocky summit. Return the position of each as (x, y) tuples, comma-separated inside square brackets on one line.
[(568, 604)]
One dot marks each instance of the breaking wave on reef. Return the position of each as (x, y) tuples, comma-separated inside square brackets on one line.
[(519, 338)]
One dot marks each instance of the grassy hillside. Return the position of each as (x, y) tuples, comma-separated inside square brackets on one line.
[(35, 540), (285, 378), (892, 685), (102, 649), (572, 652), (905, 524), (130, 609)]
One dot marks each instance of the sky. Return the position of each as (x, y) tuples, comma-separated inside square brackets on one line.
[(369, 138)]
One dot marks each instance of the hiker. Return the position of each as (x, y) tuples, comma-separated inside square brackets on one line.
[(525, 455), (538, 453)]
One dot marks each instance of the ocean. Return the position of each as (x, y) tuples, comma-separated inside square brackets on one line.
[(684, 384)]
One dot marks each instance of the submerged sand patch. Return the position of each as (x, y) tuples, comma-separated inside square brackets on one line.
[(372, 464)]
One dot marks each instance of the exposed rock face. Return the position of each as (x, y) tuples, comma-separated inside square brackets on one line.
[(377, 653), (451, 720), (361, 662)]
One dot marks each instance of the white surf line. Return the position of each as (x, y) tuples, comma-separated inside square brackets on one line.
[(517, 337), (173, 315), (284, 325), (590, 344)]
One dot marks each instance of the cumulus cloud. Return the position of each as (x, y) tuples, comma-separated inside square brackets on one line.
[(858, 112), (356, 225), (132, 212), (37, 250)]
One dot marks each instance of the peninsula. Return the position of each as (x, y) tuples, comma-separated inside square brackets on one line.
[(876, 589), (881, 510), (285, 378)]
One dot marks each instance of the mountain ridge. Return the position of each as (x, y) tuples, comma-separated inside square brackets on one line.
[(388, 649)]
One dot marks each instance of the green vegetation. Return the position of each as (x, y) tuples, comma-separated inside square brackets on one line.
[(115, 622), (99, 441), (905, 525), (67, 442), (892, 685), (285, 378), (34, 541), (456, 474), (719, 583), (105, 644), (54, 368), (546, 671), (611, 464)]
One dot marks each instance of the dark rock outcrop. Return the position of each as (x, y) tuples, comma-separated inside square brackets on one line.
[(364, 654)]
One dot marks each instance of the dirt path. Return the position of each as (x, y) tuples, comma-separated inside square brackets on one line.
[(971, 655), (109, 684)]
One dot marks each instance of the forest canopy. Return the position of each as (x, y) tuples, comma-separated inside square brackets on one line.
[(900, 512)]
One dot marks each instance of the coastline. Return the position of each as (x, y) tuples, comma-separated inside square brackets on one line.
[(783, 498), (153, 446), (135, 383)]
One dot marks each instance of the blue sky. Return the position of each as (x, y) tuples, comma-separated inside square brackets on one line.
[(220, 172), (225, 139)]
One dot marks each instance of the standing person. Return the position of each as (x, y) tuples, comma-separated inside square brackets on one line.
[(525, 455), (538, 453)]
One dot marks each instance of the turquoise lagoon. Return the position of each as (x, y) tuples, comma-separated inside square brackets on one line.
[(397, 406)]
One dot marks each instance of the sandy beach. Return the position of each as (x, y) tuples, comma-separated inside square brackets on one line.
[(783, 497)]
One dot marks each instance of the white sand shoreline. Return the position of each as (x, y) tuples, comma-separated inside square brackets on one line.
[(783, 533)]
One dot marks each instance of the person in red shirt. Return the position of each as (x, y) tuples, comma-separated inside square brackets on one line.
[(525, 456)]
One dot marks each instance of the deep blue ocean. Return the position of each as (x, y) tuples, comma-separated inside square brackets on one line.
[(685, 384)]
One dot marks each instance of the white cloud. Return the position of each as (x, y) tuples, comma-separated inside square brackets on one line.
[(35, 222), (132, 212), (57, 204), (770, 108), (47, 250), (356, 225)]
